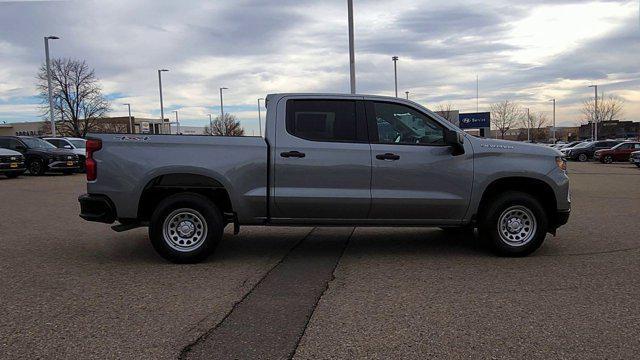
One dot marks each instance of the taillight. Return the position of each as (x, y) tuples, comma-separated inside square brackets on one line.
[(91, 167)]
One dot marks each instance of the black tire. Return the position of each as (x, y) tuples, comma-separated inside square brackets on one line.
[(199, 211), (506, 203), (583, 157), (607, 159), (14, 174), (36, 167)]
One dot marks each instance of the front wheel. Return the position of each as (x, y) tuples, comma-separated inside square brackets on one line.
[(36, 167), (583, 157), (514, 224), (607, 159), (186, 228)]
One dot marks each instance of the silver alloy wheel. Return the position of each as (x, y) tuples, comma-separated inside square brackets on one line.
[(184, 230), (517, 226), (583, 157), (608, 159)]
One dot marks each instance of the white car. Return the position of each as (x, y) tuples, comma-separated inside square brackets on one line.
[(76, 145)]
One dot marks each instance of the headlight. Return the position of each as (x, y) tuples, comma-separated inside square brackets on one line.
[(562, 164)]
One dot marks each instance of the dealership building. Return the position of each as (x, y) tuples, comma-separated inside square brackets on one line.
[(105, 125)]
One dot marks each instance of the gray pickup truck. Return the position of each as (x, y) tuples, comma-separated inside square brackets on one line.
[(327, 160)]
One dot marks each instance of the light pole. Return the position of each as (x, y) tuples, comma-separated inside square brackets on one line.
[(395, 72), (407, 93), (352, 56), (46, 53), (161, 103), (477, 94), (528, 126), (222, 104), (130, 121), (210, 125), (554, 120), (260, 117), (177, 123), (595, 114)]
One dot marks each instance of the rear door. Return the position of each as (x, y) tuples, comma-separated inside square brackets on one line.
[(322, 160), (415, 177)]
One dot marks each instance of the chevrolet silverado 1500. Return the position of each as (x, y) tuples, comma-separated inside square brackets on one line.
[(327, 160)]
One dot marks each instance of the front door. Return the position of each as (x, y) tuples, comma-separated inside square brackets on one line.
[(415, 176), (322, 160)]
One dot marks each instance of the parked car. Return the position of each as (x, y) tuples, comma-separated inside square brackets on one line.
[(76, 145), (585, 151), (568, 145), (327, 160), (12, 163), (634, 158), (41, 156), (620, 152)]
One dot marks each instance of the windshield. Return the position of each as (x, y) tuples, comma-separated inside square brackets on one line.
[(36, 143), (80, 144), (583, 145)]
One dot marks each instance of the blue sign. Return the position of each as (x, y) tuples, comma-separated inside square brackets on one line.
[(475, 120)]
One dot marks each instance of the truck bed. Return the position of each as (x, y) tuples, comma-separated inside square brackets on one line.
[(128, 163)]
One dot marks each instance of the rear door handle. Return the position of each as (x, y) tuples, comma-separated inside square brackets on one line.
[(388, 156), (295, 154)]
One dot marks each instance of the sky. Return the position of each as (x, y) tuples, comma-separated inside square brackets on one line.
[(524, 51)]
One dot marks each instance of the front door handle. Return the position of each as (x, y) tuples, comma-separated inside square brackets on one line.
[(388, 156), (295, 154)]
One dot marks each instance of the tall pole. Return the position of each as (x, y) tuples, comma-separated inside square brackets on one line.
[(395, 72), (210, 125), (130, 120), (161, 102), (528, 126), (477, 94), (222, 104), (177, 123), (407, 93), (49, 89), (260, 117), (595, 131), (352, 59), (554, 120)]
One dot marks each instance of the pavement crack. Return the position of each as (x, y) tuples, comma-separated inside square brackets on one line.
[(333, 277), (184, 352)]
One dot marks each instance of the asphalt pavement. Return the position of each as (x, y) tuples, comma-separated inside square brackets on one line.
[(74, 289)]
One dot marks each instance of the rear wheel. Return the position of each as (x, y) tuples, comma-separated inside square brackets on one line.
[(514, 224), (36, 167), (583, 157), (186, 228), (607, 159)]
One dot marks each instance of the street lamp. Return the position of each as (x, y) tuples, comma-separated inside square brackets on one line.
[(395, 72), (210, 125), (352, 56), (595, 114), (528, 125), (222, 103), (46, 52), (177, 123), (407, 93), (161, 103), (130, 121), (553, 132), (260, 117)]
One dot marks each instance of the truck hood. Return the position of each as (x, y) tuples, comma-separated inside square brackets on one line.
[(484, 145)]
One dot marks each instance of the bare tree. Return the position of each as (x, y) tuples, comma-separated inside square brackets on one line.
[(78, 103), (227, 126), (505, 116), (609, 108), (536, 124), (447, 112)]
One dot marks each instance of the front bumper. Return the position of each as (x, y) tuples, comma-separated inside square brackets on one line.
[(12, 166), (561, 218), (64, 165), (98, 208)]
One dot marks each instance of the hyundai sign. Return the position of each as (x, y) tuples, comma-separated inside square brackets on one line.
[(475, 120)]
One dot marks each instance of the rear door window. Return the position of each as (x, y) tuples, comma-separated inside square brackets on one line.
[(325, 120)]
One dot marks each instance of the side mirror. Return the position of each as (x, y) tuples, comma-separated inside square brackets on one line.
[(68, 147), (454, 139)]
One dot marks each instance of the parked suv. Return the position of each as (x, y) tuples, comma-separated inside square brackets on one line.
[(586, 150), (11, 163), (77, 145), (41, 156), (635, 158), (620, 152)]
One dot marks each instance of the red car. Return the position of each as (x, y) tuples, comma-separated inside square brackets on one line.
[(620, 152)]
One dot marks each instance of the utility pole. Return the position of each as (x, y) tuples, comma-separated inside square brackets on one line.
[(177, 123), (210, 125), (260, 117), (161, 103), (528, 126), (554, 120), (395, 72), (130, 121), (352, 59), (222, 104), (46, 53), (477, 93), (595, 113)]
